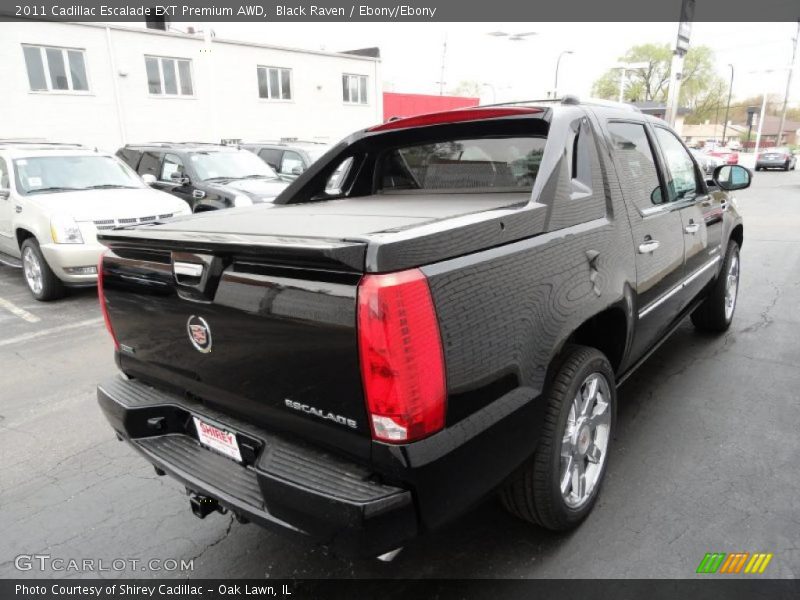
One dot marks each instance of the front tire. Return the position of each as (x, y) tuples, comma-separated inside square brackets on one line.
[(558, 486), (41, 281), (716, 312)]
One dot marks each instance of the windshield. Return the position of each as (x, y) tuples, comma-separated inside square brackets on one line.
[(496, 164), (230, 165), (49, 174)]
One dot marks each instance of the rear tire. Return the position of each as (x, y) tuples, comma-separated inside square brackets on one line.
[(41, 281), (716, 312), (557, 487)]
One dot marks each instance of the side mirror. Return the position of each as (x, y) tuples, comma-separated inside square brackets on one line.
[(149, 178), (656, 197), (297, 170), (732, 177)]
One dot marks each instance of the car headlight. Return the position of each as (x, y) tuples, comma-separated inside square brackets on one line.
[(64, 230), (241, 200)]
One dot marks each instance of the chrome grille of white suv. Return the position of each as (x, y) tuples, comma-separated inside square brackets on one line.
[(103, 224)]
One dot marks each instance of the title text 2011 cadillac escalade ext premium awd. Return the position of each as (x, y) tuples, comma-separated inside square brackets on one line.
[(441, 308)]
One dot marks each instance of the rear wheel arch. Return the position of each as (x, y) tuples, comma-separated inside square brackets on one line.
[(609, 331)]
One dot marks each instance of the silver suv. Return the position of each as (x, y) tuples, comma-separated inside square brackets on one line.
[(53, 200)]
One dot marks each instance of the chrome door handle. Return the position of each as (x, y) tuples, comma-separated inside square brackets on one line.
[(692, 228), (648, 247)]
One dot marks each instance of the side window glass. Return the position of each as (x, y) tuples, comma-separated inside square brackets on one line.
[(4, 183), (682, 179), (336, 180), (131, 157), (635, 163), (291, 163), (150, 163), (270, 156), (172, 169)]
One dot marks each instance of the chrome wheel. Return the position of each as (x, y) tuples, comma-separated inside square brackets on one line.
[(33, 270), (585, 441), (731, 285)]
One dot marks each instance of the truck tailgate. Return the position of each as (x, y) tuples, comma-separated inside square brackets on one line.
[(268, 337)]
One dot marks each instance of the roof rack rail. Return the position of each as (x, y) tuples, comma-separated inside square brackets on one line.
[(35, 142), (163, 144), (519, 102), (571, 99)]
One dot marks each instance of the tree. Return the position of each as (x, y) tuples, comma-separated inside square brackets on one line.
[(470, 89), (642, 84), (702, 90)]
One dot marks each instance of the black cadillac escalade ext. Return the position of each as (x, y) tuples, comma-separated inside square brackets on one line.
[(439, 309)]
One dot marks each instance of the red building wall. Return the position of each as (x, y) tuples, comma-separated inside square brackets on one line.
[(409, 105)]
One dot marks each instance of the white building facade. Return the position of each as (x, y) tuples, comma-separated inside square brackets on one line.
[(107, 85)]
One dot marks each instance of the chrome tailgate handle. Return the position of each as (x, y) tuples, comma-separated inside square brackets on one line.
[(188, 269)]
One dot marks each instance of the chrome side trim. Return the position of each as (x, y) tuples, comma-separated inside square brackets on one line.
[(677, 288)]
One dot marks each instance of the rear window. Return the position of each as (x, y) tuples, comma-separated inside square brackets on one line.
[(494, 164)]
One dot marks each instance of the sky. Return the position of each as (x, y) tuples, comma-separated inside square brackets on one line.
[(514, 70)]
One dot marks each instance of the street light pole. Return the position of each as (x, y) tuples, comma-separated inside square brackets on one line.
[(788, 85), (727, 107), (760, 124), (558, 64)]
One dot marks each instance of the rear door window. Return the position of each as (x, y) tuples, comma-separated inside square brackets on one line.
[(635, 162), (271, 156), (459, 165), (131, 157), (150, 164)]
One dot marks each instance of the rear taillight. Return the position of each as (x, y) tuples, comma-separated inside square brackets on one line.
[(402, 364), (101, 295)]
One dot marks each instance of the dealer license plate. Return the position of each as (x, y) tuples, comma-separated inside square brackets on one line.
[(218, 439)]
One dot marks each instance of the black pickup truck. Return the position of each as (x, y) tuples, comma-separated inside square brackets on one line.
[(439, 309)]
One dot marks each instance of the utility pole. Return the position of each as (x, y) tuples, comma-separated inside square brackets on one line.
[(676, 68), (727, 107), (788, 85)]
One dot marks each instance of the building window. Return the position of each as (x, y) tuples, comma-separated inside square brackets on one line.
[(274, 83), (55, 69), (169, 76), (354, 88)]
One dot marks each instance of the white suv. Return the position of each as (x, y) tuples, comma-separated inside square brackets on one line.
[(53, 200)]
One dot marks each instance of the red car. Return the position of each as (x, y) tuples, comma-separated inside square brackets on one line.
[(729, 156)]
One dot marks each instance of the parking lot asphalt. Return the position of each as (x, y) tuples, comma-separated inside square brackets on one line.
[(705, 456)]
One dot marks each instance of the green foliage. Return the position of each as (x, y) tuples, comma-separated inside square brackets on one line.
[(702, 90), (471, 89)]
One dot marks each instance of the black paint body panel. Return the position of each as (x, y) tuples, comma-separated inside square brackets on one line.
[(513, 280)]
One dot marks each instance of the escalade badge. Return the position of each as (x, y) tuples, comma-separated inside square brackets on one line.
[(199, 333)]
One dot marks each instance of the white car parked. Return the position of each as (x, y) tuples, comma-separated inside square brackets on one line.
[(53, 200)]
